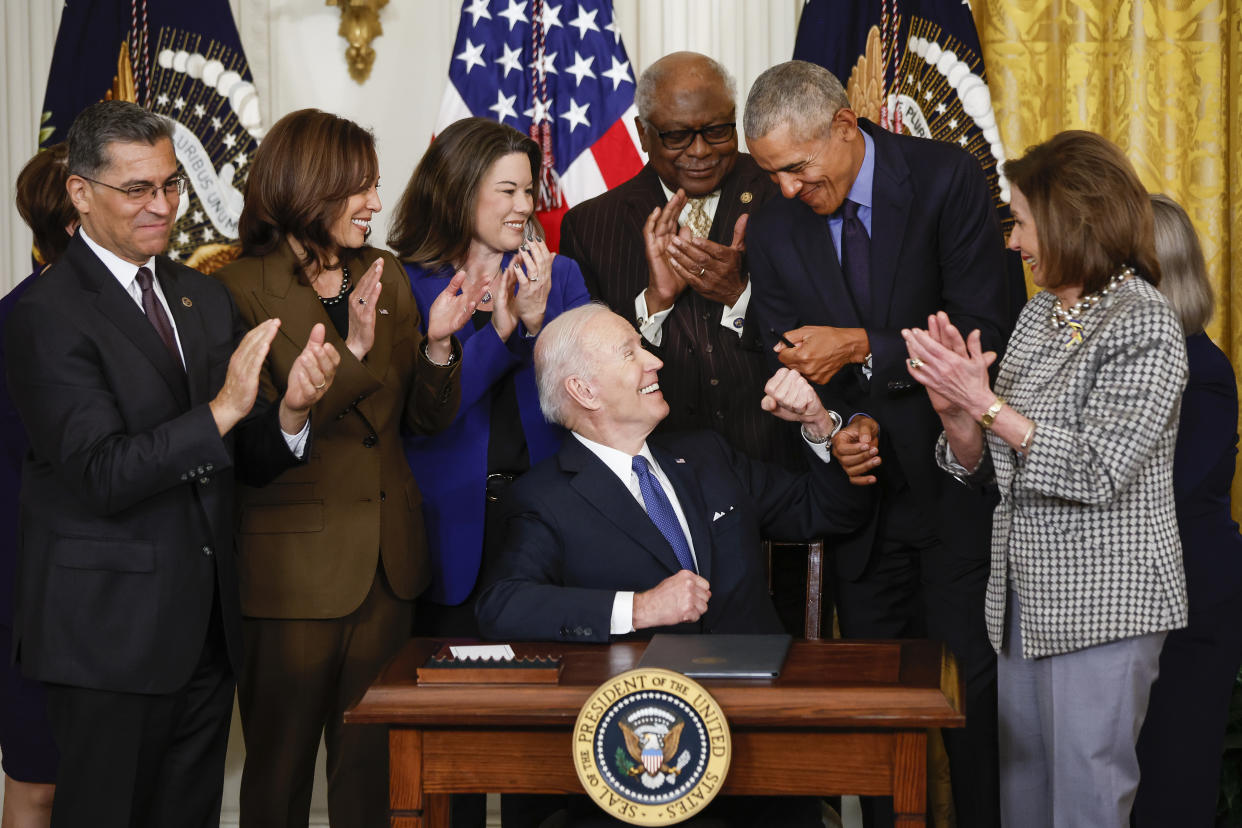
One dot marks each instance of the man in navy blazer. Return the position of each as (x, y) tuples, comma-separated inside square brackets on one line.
[(876, 232), (129, 377), (587, 556)]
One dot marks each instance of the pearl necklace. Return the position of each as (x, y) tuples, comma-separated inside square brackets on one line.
[(1060, 316), (342, 293)]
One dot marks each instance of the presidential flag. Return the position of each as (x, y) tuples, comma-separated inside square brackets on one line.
[(558, 72), (181, 60), (912, 66)]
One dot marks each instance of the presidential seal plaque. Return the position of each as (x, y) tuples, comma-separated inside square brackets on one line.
[(651, 747)]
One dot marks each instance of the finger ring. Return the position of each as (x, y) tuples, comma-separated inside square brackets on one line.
[(532, 278), (361, 300), (702, 270), (321, 386), (915, 363)]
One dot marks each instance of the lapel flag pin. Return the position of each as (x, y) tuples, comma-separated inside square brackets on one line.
[(185, 300), (680, 460), (746, 197)]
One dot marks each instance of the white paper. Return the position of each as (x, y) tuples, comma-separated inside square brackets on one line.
[(483, 652)]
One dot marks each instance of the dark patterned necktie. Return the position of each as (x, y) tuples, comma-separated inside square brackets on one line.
[(660, 510), (155, 313), (856, 257)]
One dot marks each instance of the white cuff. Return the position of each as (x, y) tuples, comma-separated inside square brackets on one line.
[(622, 614), (297, 442), (734, 318), (651, 327)]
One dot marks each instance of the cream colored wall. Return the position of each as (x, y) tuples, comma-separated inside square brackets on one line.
[(297, 59)]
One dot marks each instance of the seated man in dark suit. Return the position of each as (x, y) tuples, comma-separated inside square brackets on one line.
[(617, 534)]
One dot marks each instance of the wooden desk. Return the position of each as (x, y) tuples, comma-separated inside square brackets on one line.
[(845, 717)]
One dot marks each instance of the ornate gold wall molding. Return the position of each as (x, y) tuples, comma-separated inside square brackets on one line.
[(360, 24)]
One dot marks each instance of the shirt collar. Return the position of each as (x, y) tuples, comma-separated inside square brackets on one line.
[(860, 192), (618, 462), (125, 272)]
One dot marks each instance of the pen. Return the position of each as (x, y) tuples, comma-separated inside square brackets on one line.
[(782, 338)]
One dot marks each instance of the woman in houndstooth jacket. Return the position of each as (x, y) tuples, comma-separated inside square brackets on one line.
[(1078, 435)]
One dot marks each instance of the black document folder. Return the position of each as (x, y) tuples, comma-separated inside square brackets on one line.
[(718, 656)]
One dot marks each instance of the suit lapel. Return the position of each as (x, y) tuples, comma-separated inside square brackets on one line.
[(612, 499), (119, 308), (890, 212), (298, 309), (819, 260), (189, 331), (690, 496)]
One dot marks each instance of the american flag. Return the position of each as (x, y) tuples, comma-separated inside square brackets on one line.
[(559, 67)]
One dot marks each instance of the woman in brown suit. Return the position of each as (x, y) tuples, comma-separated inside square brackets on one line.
[(333, 553)]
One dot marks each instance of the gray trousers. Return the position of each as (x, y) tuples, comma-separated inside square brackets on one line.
[(1068, 727)]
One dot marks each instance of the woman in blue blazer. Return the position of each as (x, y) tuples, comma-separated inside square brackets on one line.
[(1183, 738), (469, 206)]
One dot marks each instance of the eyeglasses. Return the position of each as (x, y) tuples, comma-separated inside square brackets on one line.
[(676, 139), (143, 193)]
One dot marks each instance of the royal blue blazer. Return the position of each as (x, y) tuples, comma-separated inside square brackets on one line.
[(451, 467)]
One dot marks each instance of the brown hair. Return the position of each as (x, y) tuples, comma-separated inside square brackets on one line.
[(434, 221), (1091, 211), (308, 164), (43, 201), (1185, 283)]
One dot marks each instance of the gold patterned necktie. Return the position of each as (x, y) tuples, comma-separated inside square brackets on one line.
[(698, 222)]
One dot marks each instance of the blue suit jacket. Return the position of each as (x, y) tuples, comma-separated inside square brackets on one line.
[(936, 246), (576, 535), (451, 467), (1203, 467)]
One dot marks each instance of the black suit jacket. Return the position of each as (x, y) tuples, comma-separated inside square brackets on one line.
[(576, 536), (936, 245), (127, 493), (712, 378)]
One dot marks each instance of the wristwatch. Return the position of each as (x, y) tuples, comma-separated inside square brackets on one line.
[(989, 416), (826, 440)]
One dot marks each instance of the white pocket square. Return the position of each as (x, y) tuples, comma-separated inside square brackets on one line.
[(718, 515)]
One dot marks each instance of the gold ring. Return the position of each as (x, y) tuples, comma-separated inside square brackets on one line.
[(915, 363), (702, 270)]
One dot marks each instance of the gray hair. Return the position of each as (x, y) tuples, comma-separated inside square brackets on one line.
[(804, 95), (563, 351), (109, 122), (1184, 279), (645, 97)]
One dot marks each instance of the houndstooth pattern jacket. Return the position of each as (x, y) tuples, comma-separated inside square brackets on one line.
[(1085, 530)]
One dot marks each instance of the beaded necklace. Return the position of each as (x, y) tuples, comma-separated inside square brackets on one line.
[(342, 293), (1071, 319)]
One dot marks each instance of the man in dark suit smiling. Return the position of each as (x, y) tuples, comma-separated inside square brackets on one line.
[(128, 374), (876, 232), (618, 534)]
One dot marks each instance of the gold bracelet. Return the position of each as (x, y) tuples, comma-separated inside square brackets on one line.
[(989, 416), (1026, 441)]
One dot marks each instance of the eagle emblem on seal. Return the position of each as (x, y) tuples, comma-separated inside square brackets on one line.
[(652, 749)]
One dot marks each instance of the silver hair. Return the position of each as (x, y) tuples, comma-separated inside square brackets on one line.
[(645, 97), (111, 122), (1184, 279), (804, 95), (564, 351)]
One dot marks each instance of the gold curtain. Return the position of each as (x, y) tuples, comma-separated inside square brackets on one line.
[(1163, 80)]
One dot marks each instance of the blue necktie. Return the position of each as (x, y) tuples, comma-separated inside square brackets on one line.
[(660, 510), (856, 257)]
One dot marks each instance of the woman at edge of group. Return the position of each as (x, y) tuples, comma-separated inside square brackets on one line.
[(333, 553), (1086, 575), (30, 755), (1183, 737), (466, 208)]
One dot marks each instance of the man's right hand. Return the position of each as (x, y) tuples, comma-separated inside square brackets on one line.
[(241, 384), (678, 599), (856, 448), (663, 283)]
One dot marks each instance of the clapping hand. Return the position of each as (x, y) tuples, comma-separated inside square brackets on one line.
[(309, 378), (532, 270), (362, 304), (450, 310), (714, 271), (664, 284)]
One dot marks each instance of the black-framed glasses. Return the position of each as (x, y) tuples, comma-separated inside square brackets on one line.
[(143, 193), (676, 139)]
